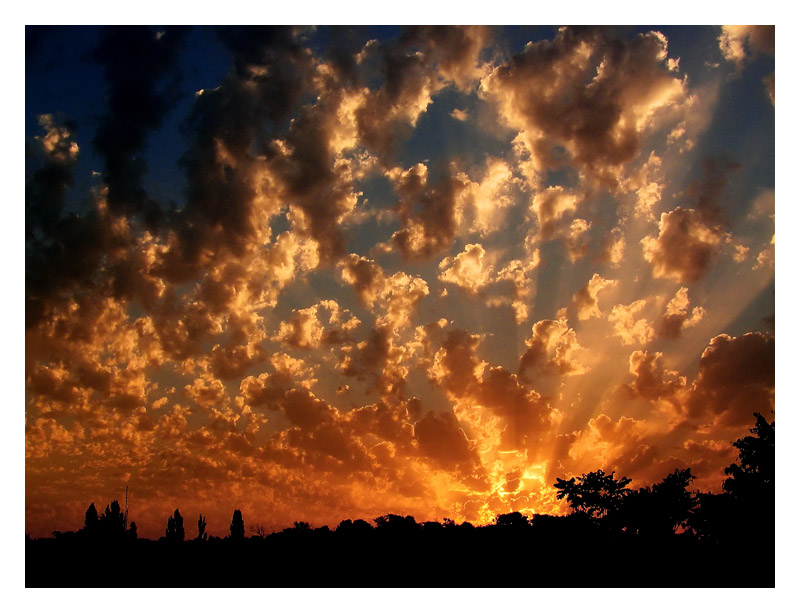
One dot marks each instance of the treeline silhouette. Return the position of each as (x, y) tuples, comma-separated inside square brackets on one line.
[(663, 535)]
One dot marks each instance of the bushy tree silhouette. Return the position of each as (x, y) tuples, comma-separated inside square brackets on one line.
[(754, 476), (237, 526), (594, 493), (175, 531), (745, 511), (350, 527), (512, 520), (397, 524), (657, 511)]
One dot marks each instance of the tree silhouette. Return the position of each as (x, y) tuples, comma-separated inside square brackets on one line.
[(594, 493), (657, 511), (512, 520), (112, 522), (754, 476), (91, 522), (237, 526), (201, 528), (132, 534), (259, 531), (397, 524), (353, 528), (175, 531)]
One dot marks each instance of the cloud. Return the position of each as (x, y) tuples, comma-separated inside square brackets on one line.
[(739, 43), (526, 414), (552, 205), (454, 50), (489, 197), (651, 379), (610, 443), (136, 62), (627, 327), (736, 378), (377, 360), (441, 439), (647, 182), (595, 98), (455, 366), (769, 84), (685, 247), (677, 316), (585, 300), (553, 347), (467, 270), (430, 214), (766, 257), (304, 329)]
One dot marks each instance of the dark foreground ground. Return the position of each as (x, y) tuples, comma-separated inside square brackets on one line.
[(490, 556)]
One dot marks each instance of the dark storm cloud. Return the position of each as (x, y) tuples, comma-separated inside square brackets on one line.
[(136, 60)]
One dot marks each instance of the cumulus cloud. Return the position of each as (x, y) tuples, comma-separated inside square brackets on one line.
[(490, 196), (553, 347), (647, 182), (468, 269), (738, 43), (597, 128), (736, 378), (552, 205), (651, 379), (430, 213), (685, 246), (766, 257), (585, 300), (394, 297), (305, 330), (626, 325), (677, 316)]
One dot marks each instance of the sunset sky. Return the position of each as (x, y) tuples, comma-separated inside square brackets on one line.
[(329, 273)]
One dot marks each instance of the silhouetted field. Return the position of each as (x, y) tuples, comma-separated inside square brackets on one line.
[(561, 553), (657, 536)]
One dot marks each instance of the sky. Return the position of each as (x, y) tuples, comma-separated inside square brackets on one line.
[(329, 273)]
